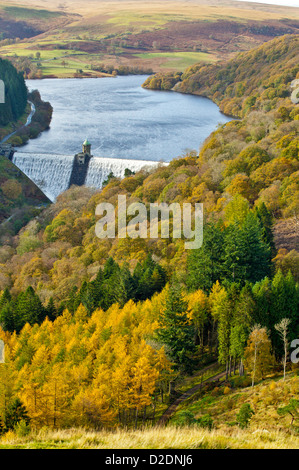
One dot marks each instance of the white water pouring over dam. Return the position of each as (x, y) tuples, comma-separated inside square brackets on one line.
[(99, 169), (52, 173), (122, 120)]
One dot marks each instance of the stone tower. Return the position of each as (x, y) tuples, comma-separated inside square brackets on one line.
[(86, 147), (80, 165)]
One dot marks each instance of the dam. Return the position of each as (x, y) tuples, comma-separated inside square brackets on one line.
[(54, 173)]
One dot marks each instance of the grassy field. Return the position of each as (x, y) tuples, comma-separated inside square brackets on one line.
[(194, 8), (179, 60), (223, 403), (64, 63), (169, 35), (58, 62)]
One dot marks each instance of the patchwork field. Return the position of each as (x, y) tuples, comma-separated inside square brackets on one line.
[(168, 35)]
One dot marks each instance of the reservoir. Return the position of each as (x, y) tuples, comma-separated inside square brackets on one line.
[(127, 126), (123, 120)]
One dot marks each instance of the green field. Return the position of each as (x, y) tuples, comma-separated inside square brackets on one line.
[(162, 36), (178, 60), (64, 63), (147, 21), (56, 62)]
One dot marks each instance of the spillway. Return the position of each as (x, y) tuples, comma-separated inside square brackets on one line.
[(100, 168), (52, 173)]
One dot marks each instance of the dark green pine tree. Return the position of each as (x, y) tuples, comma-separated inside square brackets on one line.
[(5, 298), (116, 289), (15, 93), (266, 221), (97, 288), (7, 321), (28, 309), (142, 278), (85, 297), (247, 256), (292, 289), (148, 277), (71, 302), (15, 413), (158, 279), (262, 295), (176, 331), (128, 282), (205, 265), (6, 311), (51, 310), (110, 268), (284, 304)]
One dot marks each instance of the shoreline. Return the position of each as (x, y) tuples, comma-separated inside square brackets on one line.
[(53, 77), (31, 128), (28, 122)]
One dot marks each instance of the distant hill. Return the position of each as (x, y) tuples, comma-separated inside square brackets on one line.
[(85, 40), (256, 79), (21, 22)]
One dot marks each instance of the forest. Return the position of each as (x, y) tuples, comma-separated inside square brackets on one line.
[(15, 93), (97, 330)]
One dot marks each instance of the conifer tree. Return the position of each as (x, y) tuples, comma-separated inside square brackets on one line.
[(205, 265), (266, 220), (284, 303), (176, 330), (15, 413), (51, 311), (247, 256)]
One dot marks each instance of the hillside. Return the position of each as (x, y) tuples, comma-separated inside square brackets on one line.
[(253, 80), (268, 430), (106, 333), (20, 22), (20, 199), (160, 36), (244, 163)]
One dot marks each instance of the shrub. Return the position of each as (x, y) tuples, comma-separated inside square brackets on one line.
[(22, 428), (205, 421), (185, 418), (244, 416)]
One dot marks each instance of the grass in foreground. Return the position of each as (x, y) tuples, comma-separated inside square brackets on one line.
[(153, 438)]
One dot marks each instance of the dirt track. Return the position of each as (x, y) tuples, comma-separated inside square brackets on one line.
[(172, 408)]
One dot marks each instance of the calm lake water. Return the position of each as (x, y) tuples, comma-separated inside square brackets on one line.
[(122, 120)]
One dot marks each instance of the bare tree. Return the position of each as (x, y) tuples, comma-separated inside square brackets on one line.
[(258, 357), (282, 329)]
